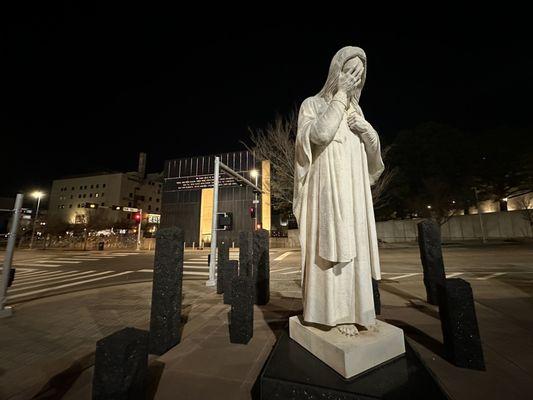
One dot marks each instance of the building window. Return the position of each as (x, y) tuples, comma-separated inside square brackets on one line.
[(92, 186), (79, 196), (102, 194), (129, 203), (157, 208), (97, 186), (85, 187), (71, 196), (149, 199), (149, 207), (84, 195), (81, 187), (72, 187), (70, 206), (157, 200), (103, 185), (103, 204), (131, 194), (90, 195)]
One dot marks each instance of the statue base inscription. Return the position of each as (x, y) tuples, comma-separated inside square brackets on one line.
[(349, 356)]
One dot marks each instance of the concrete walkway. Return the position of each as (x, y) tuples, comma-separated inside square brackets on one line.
[(57, 336)]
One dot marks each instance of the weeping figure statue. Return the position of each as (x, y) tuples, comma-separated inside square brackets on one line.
[(338, 158)]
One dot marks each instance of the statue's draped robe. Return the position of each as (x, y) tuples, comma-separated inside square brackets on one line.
[(333, 205)]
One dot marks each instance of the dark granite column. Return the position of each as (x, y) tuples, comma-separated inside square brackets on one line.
[(245, 253), (261, 267), (377, 297), (241, 328), (165, 317), (121, 366), (462, 343), (223, 257), (230, 270), (429, 243)]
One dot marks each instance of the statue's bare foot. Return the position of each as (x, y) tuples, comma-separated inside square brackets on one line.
[(348, 329)]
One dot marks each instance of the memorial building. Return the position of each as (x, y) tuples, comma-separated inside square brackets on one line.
[(187, 199)]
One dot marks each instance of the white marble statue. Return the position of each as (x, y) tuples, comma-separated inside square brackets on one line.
[(338, 158)]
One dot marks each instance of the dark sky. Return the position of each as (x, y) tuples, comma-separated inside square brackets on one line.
[(86, 90)]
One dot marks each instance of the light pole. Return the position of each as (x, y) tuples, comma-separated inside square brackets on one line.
[(483, 237), (36, 195), (139, 229), (255, 174)]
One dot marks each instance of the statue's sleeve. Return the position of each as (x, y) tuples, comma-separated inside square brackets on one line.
[(372, 145), (323, 127)]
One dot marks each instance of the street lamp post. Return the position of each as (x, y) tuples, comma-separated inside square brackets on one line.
[(37, 195), (255, 174)]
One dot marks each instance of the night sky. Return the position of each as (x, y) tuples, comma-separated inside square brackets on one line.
[(86, 90)]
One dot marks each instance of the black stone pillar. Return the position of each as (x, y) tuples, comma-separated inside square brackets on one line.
[(165, 317), (223, 257), (230, 270), (241, 328), (431, 256), (377, 298), (462, 343), (245, 253), (121, 366), (261, 267)]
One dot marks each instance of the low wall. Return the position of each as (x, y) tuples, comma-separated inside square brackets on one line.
[(497, 225)]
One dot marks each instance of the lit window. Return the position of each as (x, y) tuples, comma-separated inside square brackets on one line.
[(96, 195)]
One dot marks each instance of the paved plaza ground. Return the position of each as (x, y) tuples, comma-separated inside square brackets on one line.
[(63, 308)]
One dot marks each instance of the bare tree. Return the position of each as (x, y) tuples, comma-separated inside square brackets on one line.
[(526, 207), (276, 144)]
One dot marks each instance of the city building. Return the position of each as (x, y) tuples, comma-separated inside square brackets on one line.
[(188, 196), (69, 196)]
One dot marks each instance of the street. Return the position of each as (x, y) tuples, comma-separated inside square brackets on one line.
[(51, 272)]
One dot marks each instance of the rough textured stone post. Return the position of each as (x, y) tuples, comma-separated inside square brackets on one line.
[(261, 267), (241, 328), (222, 258), (121, 366), (377, 297), (429, 243), (245, 253), (165, 317), (230, 271), (462, 343)]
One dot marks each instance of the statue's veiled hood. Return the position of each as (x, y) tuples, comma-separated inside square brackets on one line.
[(338, 61)]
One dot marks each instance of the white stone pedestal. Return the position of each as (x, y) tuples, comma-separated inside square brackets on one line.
[(349, 356)]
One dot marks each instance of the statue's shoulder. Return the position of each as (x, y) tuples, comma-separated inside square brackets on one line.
[(314, 103)]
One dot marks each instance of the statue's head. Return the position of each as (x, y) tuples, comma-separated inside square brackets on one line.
[(343, 61)]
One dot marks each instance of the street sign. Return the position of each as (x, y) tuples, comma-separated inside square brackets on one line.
[(130, 209)]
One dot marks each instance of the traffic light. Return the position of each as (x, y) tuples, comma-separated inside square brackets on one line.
[(252, 212), (91, 205), (137, 217), (225, 221)]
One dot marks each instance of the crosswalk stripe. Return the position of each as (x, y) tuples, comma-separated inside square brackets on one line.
[(60, 262), (290, 273), (22, 284), (195, 267), (484, 278), (67, 285), (61, 278), (454, 274), (26, 264), (281, 257), (145, 270), (38, 275), (77, 259), (283, 269), (196, 273), (406, 275)]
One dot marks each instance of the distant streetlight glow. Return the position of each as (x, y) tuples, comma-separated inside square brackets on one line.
[(36, 195), (254, 173), (429, 207)]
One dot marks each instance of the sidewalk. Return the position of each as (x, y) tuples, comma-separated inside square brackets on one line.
[(48, 336)]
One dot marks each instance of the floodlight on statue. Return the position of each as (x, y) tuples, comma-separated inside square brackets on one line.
[(254, 173), (37, 194)]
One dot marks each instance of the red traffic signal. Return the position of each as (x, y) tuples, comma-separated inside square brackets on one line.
[(252, 212), (137, 217)]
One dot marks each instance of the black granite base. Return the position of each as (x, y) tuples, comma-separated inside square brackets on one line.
[(429, 242), (121, 366), (222, 258), (292, 373), (241, 328), (230, 270), (377, 297), (165, 315), (261, 267), (246, 244), (462, 343)]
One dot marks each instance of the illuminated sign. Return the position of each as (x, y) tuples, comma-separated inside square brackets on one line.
[(203, 182), (154, 218)]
